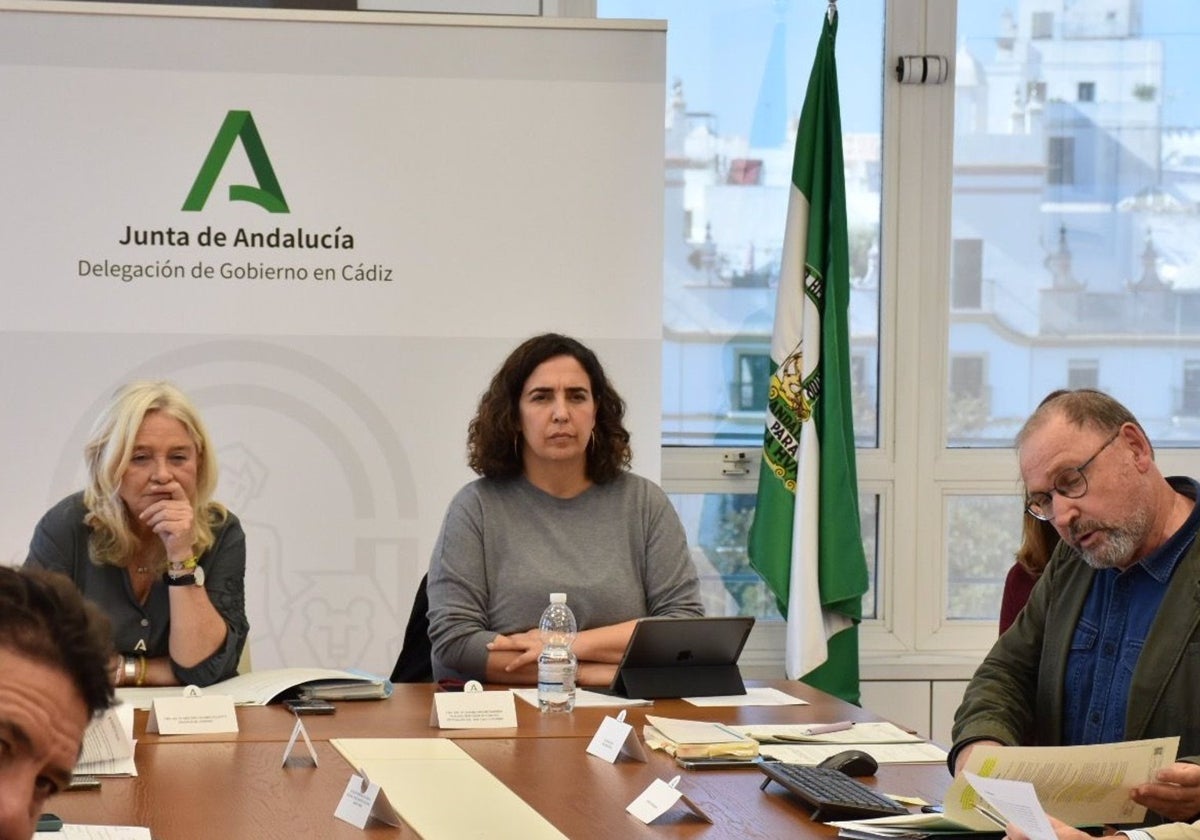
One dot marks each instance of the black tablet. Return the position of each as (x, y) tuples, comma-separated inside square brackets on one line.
[(683, 657)]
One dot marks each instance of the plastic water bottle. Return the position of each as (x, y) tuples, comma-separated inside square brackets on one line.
[(556, 663)]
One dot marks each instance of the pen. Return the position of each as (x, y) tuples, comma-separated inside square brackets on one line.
[(985, 811), (823, 728), (737, 735)]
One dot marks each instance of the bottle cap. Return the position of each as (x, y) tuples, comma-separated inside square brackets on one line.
[(558, 597)]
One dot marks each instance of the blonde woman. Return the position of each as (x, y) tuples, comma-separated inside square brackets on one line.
[(146, 542)]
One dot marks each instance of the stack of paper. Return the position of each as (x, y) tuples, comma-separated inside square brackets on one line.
[(813, 743), (360, 686), (696, 739)]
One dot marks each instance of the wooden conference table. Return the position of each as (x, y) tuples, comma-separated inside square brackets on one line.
[(233, 786)]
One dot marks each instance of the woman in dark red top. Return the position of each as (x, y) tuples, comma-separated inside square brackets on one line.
[(1038, 540)]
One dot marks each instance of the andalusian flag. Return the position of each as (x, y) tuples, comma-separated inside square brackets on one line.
[(805, 540)]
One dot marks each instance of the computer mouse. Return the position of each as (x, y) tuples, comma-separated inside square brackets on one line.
[(852, 763)]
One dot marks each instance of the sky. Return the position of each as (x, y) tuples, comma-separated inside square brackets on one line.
[(719, 49)]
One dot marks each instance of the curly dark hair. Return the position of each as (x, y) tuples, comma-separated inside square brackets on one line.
[(493, 436), (45, 618)]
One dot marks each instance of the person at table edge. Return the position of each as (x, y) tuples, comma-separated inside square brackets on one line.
[(1108, 646), (146, 542)]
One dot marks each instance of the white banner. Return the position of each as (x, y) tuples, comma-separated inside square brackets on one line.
[(329, 233)]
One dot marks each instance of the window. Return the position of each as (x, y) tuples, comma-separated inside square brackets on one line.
[(967, 274), (729, 148), (746, 172), (717, 527), (753, 380), (967, 404), (960, 325), (1080, 273), (730, 144), (1060, 160), (1041, 25), (1083, 373), (980, 548), (1190, 403)]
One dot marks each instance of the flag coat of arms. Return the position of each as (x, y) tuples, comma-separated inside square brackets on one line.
[(806, 540)]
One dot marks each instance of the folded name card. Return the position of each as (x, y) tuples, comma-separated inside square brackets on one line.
[(659, 798), (473, 708), (364, 800), (298, 730), (615, 738), (192, 714)]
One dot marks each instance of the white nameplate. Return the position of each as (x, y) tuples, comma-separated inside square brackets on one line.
[(473, 708), (657, 799), (364, 800), (615, 738), (299, 729), (192, 714)]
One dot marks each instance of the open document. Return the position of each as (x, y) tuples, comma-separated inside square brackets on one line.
[(1082, 786), (807, 743), (1010, 801), (108, 744)]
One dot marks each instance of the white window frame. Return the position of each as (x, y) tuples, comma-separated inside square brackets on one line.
[(912, 470)]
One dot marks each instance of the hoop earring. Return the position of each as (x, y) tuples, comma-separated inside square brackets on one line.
[(517, 445), (592, 442)]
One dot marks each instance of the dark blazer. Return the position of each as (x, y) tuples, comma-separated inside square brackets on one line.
[(1016, 695)]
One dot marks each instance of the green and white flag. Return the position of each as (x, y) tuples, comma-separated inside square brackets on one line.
[(806, 541)]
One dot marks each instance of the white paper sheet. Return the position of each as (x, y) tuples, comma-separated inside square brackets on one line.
[(584, 699), (754, 696), (921, 753), (869, 732), (71, 831)]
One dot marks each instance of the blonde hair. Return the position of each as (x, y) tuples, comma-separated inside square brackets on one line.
[(107, 454)]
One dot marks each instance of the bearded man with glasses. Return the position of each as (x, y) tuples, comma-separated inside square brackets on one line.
[(1108, 646)]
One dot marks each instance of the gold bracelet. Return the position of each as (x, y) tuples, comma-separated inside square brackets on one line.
[(141, 671)]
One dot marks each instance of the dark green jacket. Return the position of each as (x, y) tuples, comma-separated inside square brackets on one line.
[(1016, 695)]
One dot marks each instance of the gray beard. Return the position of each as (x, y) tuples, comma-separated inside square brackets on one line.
[(1119, 543)]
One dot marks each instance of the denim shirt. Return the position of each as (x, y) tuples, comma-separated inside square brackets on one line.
[(1116, 618)]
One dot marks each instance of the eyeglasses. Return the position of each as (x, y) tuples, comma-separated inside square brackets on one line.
[(1070, 484)]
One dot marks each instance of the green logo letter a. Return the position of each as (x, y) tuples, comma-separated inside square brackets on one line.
[(266, 195)]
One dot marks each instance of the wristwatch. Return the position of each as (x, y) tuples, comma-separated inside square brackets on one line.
[(194, 578)]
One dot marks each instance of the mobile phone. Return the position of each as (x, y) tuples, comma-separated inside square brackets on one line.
[(717, 763), (310, 707), (49, 822)]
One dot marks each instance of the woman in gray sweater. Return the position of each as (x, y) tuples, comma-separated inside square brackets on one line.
[(555, 510)]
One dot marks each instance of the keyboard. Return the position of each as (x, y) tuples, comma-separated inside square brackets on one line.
[(830, 793)]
